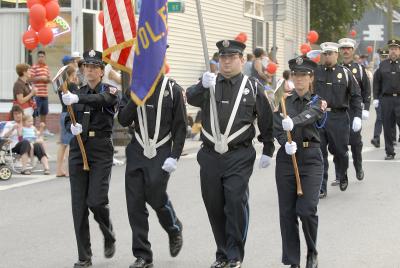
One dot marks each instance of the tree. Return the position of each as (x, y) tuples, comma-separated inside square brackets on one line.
[(333, 19)]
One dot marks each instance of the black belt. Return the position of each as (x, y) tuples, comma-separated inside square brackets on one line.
[(336, 110), (392, 94), (231, 147), (310, 144), (98, 134)]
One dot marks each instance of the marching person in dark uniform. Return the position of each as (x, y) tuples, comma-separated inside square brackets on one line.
[(387, 94), (152, 156), (347, 46), (94, 106), (226, 159), (304, 109), (335, 84), (376, 140)]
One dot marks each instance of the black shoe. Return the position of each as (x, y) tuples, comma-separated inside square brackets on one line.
[(376, 143), (141, 263), (109, 249), (389, 157), (81, 264), (322, 194), (335, 182), (176, 241), (394, 143), (360, 175), (312, 260), (344, 182), (294, 266), (234, 264), (219, 264)]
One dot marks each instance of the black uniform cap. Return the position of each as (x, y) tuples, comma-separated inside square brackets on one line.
[(383, 52), (93, 57), (303, 65), (226, 47), (394, 42)]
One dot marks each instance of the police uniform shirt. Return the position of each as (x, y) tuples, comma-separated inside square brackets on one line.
[(101, 102), (304, 111), (339, 91), (387, 78), (363, 81), (226, 91), (173, 116)]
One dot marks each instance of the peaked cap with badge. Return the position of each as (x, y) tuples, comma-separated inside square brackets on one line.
[(347, 42), (394, 42), (329, 46), (302, 65), (93, 57), (227, 47)]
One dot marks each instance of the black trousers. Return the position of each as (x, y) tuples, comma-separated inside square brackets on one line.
[(390, 115), (146, 182), (89, 190), (224, 187), (335, 139), (292, 207), (356, 145), (379, 123)]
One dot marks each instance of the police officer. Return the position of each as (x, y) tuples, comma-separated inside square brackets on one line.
[(304, 109), (335, 84), (347, 46), (226, 159), (376, 140), (152, 155), (387, 94), (94, 106)]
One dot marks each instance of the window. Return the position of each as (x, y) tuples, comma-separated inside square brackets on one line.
[(260, 34), (254, 8)]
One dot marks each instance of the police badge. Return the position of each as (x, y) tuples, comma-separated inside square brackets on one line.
[(354, 70), (339, 75)]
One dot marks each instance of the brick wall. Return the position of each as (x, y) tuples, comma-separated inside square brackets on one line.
[(52, 121)]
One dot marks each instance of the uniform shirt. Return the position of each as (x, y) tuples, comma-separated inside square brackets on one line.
[(101, 102), (173, 116), (339, 91), (387, 78), (226, 91), (41, 87), (304, 114), (363, 81)]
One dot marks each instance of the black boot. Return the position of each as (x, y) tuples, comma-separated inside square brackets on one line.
[(360, 174), (109, 249), (82, 264), (312, 260), (141, 263), (219, 264), (176, 241), (344, 182), (322, 194), (376, 143), (389, 157)]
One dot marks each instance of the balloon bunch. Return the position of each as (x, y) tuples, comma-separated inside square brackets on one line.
[(241, 37), (40, 11), (312, 38)]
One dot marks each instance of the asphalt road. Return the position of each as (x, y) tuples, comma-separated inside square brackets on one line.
[(358, 228)]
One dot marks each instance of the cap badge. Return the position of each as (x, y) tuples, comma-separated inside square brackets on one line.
[(339, 75), (225, 43), (354, 70), (92, 53), (299, 61)]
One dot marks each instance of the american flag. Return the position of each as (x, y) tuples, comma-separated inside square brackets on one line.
[(119, 33)]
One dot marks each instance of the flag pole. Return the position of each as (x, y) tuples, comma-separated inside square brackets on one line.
[(207, 61)]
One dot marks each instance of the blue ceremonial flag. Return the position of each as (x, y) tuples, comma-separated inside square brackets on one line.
[(150, 48)]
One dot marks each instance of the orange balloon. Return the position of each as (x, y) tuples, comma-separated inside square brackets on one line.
[(312, 37), (353, 33), (30, 39), (305, 48), (52, 10), (37, 25), (241, 37), (369, 49), (101, 18), (37, 13), (271, 68), (45, 36), (30, 3)]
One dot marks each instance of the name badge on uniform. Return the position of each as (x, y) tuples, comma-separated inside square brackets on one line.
[(150, 106), (225, 102)]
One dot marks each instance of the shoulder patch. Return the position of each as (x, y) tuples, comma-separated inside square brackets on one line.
[(113, 90)]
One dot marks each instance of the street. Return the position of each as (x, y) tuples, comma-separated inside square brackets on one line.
[(357, 228)]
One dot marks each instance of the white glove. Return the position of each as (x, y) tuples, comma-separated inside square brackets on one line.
[(76, 129), (69, 98), (291, 148), (356, 124), (169, 164), (365, 115), (287, 124), (265, 161), (376, 103), (209, 79)]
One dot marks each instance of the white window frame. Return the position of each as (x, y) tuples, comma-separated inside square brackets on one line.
[(260, 2)]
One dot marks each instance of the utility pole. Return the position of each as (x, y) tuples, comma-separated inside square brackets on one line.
[(389, 19)]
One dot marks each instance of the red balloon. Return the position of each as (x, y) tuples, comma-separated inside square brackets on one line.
[(316, 59), (305, 48), (44, 2), (37, 25), (167, 68), (353, 33), (312, 37), (369, 49), (30, 3), (241, 37), (37, 13), (52, 10), (101, 18), (271, 68), (30, 39), (45, 36)]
